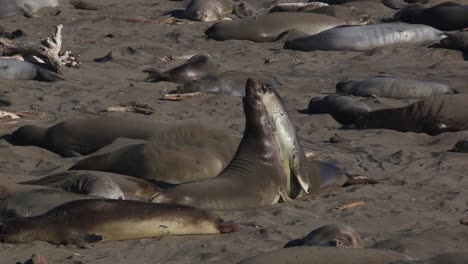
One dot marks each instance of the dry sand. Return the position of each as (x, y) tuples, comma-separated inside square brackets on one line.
[(415, 210)]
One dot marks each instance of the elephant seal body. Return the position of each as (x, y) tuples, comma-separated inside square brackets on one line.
[(362, 38), (12, 69), (88, 184), (28, 200), (391, 87), (334, 235), (270, 27), (445, 16), (432, 115), (229, 82), (76, 137), (208, 10), (461, 146), (457, 40), (107, 220), (9, 8), (343, 109), (176, 154), (93, 183), (195, 68), (268, 161), (35, 5), (327, 255)]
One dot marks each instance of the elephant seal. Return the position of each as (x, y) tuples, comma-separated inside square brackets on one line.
[(228, 82), (362, 38), (271, 27), (12, 69), (334, 235), (100, 220), (296, 7), (457, 40), (445, 16), (28, 200), (88, 184), (267, 166), (392, 87), (179, 153), (327, 255), (35, 5), (350, 15), (195, 68), (344, 109), (76, 137), (461, 146), (88, 181), (208, 10), (433, 115), (9, 8)]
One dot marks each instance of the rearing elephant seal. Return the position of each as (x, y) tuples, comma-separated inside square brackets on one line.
[(270, 27), (432, 115), (267, 160), (334, 235), (208, 10), (195, 68), (76, 137), (99, 220)]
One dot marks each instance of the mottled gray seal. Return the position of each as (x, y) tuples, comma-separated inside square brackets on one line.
[(268, 161), (76, 137), (87, 184), (228, 82), (393, 87), (457, 40), (362, 38), (195, 68), (344, 109), (461, 146), (208, 10), (334, 235), (270, 27), (12, 69), (178, 153), (445, 16), (88, 181), (327, 255), (100, 220), (432, 115)]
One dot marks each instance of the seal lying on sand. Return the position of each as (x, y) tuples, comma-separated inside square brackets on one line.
[(327, 255), (35, 5), (9, 8), (461, 146), (344, 109), (296, 7), (445, 16), (208, 10), (88, 184), (195, 68), (92, 182), (270, 27), (334, 235), (228, 82), (362, 38), (432, 115), (99, 220), (178, 153), (267, 162), (76, 137), (458, 41), (392, 87), (12, 69)]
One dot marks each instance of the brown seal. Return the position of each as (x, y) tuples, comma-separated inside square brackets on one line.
[(99, 220), (334, 235)]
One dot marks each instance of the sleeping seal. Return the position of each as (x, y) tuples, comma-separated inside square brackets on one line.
[(88, 184), (392, 87), (271, 27), (432, 115), (195, 68), (334, 235), (86, 181), (178, 153), (344, 109), (445, 16), (457, 40), (208, 10), (268, 161), (12, 69), (100, 220), (35, 5), (461, 146), (362, 38), (76, 137)]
